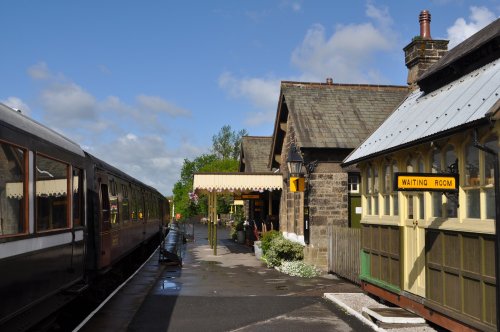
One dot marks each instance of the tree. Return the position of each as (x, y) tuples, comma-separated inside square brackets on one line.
[(224, 158), (227, 143), (183, 187)]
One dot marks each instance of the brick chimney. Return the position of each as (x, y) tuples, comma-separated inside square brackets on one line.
[(423, 51)]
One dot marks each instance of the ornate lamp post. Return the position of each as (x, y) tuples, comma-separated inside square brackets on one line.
[(294, 163)]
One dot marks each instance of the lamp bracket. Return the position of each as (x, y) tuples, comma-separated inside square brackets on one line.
[(311, 166)]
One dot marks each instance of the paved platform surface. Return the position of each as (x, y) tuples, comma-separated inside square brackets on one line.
[(232, 291)]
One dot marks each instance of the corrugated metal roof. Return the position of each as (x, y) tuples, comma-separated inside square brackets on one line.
[(463, 101)]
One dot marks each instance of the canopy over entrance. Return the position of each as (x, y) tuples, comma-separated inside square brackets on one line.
[(235, 183)]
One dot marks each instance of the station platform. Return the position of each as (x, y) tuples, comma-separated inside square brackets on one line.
[(233, 291)]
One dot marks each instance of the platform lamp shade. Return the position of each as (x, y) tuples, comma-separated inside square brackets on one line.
[(294, 163)]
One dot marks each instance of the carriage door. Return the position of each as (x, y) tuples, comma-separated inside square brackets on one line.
[(104, 218), (414, 239)]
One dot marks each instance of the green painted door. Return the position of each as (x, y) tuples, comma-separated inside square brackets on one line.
[(354, 211)]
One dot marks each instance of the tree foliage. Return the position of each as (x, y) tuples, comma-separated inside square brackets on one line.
[(224, 158), (227, 143)]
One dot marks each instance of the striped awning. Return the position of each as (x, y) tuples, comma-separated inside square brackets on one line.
[(237, 182)]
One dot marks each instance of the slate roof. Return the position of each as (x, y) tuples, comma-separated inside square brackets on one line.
[(255, 153), (338, 115), (465, 102)]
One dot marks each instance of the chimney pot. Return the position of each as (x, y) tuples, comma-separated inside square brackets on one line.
[(329, 80), (425, 24)]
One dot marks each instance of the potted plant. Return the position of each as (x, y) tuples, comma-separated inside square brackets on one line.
[(237, 227), (240, 231)]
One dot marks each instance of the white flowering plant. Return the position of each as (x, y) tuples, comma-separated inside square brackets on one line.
[(298, 269), (193, 197)]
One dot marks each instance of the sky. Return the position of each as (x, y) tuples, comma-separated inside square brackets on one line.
[(144, 85)]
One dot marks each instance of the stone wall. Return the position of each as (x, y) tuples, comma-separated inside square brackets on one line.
[(328, 204)]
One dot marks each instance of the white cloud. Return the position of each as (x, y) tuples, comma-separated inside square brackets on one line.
[(263, 93), (380, 15), (131, 136), (65, 102), (461, 30), (347, 54), (18, 104), (39, 71), (295, 5), (160, 105), (145, 157)]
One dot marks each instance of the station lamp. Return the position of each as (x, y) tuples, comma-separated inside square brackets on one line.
[(294, 163)]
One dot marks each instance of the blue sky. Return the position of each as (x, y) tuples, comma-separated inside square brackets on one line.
[(146, 84)]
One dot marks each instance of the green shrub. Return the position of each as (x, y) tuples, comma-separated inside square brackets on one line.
[(235, 227), (282, 249), (266, 239), (299, 269)]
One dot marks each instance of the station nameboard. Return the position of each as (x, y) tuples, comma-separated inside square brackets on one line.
[(444, 182), (247, 196)]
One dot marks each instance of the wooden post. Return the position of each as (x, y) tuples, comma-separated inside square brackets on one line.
[(212, 221), (209, 221), (215, 222)]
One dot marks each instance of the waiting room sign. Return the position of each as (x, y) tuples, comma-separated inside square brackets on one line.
[(444, 182)]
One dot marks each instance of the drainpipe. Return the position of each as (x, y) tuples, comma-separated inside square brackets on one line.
[(496, 169)]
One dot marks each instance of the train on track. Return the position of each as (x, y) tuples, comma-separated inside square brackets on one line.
[(66, 217)]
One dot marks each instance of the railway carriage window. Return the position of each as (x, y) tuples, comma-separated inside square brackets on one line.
[(77, 197), (51, 194), (105, 207), (133, 214), (113, 203), (12, 190), (489, 176), (125, 204), (140, 205), (472, 182)]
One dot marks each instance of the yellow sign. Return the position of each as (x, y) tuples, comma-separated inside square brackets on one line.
[(426, 182), (297, 184)]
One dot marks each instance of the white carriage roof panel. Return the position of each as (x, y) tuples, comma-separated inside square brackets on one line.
[(237, 182), (465, 100), (30, 126)]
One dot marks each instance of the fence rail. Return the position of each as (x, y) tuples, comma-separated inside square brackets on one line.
[(344, 252)]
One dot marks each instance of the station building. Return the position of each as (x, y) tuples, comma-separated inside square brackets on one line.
[(432, 251), (319, 124)]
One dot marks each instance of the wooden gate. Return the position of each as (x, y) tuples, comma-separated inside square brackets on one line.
[(344, 248)]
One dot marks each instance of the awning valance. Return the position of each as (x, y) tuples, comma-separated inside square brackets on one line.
[(237, 182), (56, 187)]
